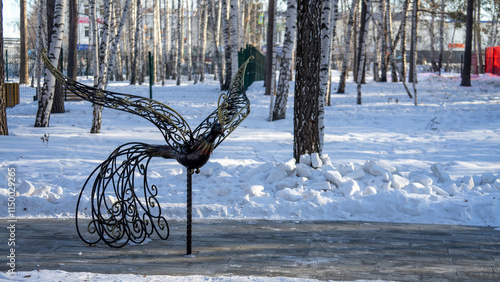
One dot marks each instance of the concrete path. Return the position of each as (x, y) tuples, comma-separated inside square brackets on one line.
[(310, 249)]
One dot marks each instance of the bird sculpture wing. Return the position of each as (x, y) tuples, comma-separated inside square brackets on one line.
[(123, 205), (172, 125), (232, 108)]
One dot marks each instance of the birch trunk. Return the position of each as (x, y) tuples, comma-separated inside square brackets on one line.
[(347, 48), (133, 27), (376, 56), (47, 95), (333, 24), (227, 45), (403, 40), (279, 111), (179, 42), (215, 27), (477, 33), (234, 35), (203, 39), (391, 45), (39, 47), (116, 40), (166, 42), (189, 36), (383, 47), (441, 38), (102, 61), (413, 46), (414, 49), (324, 66), (363, 30)]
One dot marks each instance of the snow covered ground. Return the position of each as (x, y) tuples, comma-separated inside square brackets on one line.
[(385, 160)]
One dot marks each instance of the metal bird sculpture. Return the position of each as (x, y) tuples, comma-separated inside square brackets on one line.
[(124, 210)]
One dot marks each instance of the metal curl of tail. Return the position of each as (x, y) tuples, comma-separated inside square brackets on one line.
[(123, 210)]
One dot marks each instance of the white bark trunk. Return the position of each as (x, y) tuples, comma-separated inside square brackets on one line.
[(323, 71), (333, 25), (203, 39), (47, 95), (234, 35), (279, 111), (189, 36), (179, 42), (227, 44), (116, 40), (347, 48), (362, 53)]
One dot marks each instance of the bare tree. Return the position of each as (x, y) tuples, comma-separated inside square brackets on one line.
[(324, 75), (279, 111), (72, 39), (347, 48), (468, 44), (227, 44), (269, 49), (23, 67), (402, 71), (47, 96), (413, 46), (235, 34), (4, 130), (307, 88), (363, 31), (204, 16), (179, 42)]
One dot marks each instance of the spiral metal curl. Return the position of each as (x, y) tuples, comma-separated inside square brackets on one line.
[(122, 210)]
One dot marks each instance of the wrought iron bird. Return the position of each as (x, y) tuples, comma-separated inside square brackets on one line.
[(123, 210)]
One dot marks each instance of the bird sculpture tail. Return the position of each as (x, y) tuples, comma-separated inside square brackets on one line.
[(123, 205)]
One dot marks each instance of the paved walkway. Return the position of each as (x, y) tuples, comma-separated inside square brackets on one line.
[(319, 249)]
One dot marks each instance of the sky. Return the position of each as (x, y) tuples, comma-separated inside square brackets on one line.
[(10, 18)]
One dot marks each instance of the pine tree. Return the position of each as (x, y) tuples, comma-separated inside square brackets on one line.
[(307, 88)]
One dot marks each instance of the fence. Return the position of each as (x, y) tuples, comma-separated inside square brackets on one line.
[(492, 62), (255, 68)]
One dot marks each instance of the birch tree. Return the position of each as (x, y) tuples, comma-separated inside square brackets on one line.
[(363, 30), (413, 45), (286, 63), (441, 38), (215, 24), (166, 41), (23, 67), (306, 134), (234, 35), (47, 95), (333, 24), (189, 40), (414, 48), (402, 71), (324, 67), (391, 45), (116, 40), (227, 45), (39, 47), (179, 42), (383, 34), (347, 48), (133, 26), (204, 16), (102, 61)]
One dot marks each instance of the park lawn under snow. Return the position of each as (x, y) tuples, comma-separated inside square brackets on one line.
[(384, 160)]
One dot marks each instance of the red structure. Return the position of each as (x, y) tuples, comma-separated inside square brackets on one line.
[(492, 64)]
